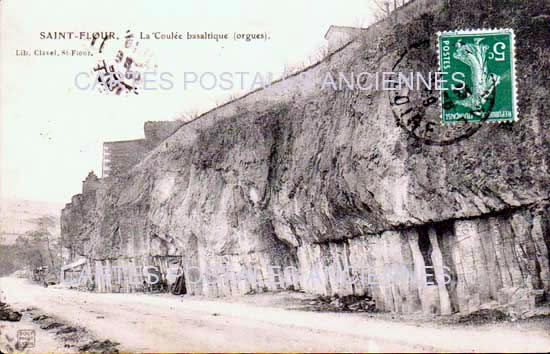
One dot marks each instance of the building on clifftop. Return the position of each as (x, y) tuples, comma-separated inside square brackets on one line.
[(120, 156)]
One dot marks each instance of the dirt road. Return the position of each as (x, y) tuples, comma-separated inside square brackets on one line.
[(167, 323)]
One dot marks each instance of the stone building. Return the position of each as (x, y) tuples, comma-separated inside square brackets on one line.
[(120, 156), (91, 183)]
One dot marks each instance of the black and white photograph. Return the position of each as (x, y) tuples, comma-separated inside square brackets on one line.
[(287, 176)]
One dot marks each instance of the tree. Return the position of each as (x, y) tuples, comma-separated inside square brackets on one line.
[(29, 251), (8, 259), (384, 8), (36, 248), (42, 234)]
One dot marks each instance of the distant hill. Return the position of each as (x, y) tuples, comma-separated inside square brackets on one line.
[(20, 216)]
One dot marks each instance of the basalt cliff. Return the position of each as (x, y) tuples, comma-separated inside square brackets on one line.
[(297, 176)]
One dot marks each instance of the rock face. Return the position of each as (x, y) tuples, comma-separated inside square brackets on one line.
[(7, 314), (300, 186)]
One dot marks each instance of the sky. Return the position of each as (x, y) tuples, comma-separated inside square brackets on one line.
[(52, 130)]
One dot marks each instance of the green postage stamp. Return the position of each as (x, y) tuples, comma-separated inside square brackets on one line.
[(479, 78)]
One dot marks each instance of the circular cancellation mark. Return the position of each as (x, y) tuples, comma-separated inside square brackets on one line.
[(418, 111)]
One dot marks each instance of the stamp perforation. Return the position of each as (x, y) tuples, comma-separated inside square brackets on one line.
[(473, 32)]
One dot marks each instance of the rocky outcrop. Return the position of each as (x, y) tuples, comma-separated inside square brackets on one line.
[(7, 314), (330, 191), (454, 266)]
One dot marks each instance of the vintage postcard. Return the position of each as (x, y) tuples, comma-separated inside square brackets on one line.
[(274, 176)]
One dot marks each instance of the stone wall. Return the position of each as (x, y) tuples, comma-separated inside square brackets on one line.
[(155, 132), (91, 183), (120, 156)]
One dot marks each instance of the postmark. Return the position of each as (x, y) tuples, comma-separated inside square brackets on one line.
[(482, 63), (121, 70), (418, 111)]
